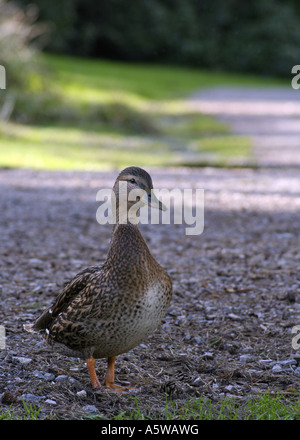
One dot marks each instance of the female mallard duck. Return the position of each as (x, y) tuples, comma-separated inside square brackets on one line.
[(108, 310)]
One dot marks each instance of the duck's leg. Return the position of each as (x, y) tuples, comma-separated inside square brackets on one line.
[(90, 362), (109, 379)]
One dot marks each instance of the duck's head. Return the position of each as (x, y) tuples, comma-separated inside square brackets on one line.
[(135, 185)]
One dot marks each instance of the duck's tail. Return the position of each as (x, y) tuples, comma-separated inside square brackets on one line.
[(41, 324)]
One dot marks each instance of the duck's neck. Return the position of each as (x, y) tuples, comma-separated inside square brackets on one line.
[(125, 215), (127, 244)]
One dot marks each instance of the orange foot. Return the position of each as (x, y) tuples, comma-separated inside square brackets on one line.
[(119, 388), (109, 380)]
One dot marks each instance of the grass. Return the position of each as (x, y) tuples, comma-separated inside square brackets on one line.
[(140, 81), (28, 412), (263, 407), (95, 114)]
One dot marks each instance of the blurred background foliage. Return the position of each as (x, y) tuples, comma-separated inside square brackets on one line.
[(83, 75), (253, 36)]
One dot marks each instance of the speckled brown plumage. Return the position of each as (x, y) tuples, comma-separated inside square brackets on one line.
[(108, 310)]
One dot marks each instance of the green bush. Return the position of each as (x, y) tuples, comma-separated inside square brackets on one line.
[(19, 55), (18, 31), (30, 96)]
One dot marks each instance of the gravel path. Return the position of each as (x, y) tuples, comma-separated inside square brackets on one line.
[(270, 116), (228, 331), (236, 290)]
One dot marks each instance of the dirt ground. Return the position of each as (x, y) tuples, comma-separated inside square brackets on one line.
[(228, 330)]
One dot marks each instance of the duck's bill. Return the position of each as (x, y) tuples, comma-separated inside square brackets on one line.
[(151, 200)]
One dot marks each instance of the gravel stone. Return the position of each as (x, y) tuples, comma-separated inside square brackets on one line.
[(90, 409), (50, 402), (44, 375), (245, 358), (32, 398), (22, 360), (277, 368)]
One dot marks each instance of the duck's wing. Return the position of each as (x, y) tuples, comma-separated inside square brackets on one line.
[(67, 295), (77, 325)]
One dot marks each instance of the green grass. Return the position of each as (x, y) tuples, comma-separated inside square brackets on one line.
[(261, 407), (91, 80), (94, 114), (72, 148), (264, 407), (27, 412)]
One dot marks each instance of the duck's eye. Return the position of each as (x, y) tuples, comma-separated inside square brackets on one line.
[(132, 181)]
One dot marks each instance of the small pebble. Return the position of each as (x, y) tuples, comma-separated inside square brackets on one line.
[(234, 317), (82, 394), (61, 378), (198, 379), (22, 360), (277, 368), (50, 402), (198, 340), (35, 261), (74, 368), (287, 362), (90, 409), (245, 358), (28, 397), (208, 355), (74, 381), (44, 375), (229, 388)]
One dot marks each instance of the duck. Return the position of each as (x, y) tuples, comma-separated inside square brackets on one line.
[(108, 310)]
